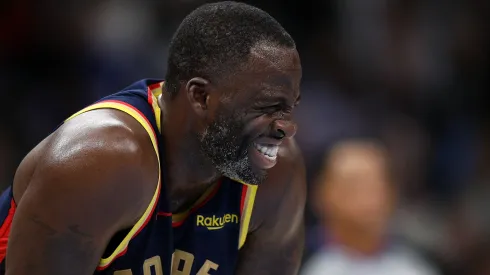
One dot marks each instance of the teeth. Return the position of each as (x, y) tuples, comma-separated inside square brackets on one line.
[(269, 151)]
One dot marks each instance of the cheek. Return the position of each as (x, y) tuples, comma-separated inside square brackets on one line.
[(258, 124), (216, 112)]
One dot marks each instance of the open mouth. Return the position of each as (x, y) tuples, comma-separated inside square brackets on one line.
[(268, 150), (264, 155)]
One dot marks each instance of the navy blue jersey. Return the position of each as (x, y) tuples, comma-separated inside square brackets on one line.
[(205, 239)]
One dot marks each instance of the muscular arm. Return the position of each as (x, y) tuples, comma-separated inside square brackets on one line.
[(275, 246), (93, 179)]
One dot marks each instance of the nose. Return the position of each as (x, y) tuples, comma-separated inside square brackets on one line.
[(283, 129)]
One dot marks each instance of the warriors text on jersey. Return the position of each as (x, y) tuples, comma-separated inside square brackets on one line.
[(202, 240)]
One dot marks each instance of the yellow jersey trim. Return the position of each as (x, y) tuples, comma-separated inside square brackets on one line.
[(246, 213), (154, 93), (130, 110), (242, 182)]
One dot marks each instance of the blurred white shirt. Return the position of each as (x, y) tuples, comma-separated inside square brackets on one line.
[(395, 261)]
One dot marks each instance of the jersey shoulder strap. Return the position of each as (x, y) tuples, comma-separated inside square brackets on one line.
[(246, 206)]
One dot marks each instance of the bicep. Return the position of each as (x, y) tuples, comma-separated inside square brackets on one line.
[(47, 240), (74, 204)]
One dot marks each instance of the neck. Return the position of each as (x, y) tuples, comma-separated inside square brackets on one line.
[(187, 173), (357, 239)]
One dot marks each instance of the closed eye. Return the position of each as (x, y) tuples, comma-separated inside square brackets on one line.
[(280, 105), (271, 109), (277, 108)]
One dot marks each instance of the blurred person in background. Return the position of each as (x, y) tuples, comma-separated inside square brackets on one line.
[(355, 197)]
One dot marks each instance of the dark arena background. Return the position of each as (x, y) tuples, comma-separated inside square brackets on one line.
[(409, 74)]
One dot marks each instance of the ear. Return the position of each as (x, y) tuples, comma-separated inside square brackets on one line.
[(198, 95)]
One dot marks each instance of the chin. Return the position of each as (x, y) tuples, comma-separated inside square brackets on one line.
[(249, 175), (256, 178)]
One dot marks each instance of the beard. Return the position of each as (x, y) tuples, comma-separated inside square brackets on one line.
[(224, 144)]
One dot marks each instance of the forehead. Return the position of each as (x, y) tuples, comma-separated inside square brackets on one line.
[(357, 160), (269, 72)]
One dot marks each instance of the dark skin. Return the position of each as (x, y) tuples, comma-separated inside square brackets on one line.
[(64, 189), (276, 239)]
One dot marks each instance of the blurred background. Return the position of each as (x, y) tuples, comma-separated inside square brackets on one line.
[(393, 121)]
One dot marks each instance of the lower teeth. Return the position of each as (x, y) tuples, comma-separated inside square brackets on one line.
[(265, 154), (269, 156)]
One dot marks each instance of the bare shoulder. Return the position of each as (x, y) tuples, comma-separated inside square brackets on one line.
[(95, 145), (91, 178), (285, 187)]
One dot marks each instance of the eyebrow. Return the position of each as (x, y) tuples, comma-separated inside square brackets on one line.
[(277, 98)]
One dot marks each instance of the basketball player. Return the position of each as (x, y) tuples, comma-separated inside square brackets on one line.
[(162, 177)]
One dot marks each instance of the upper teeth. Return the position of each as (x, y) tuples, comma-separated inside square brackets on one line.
[(268, 150)]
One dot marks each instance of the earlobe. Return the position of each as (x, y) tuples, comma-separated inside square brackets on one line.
[(198, 94)]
